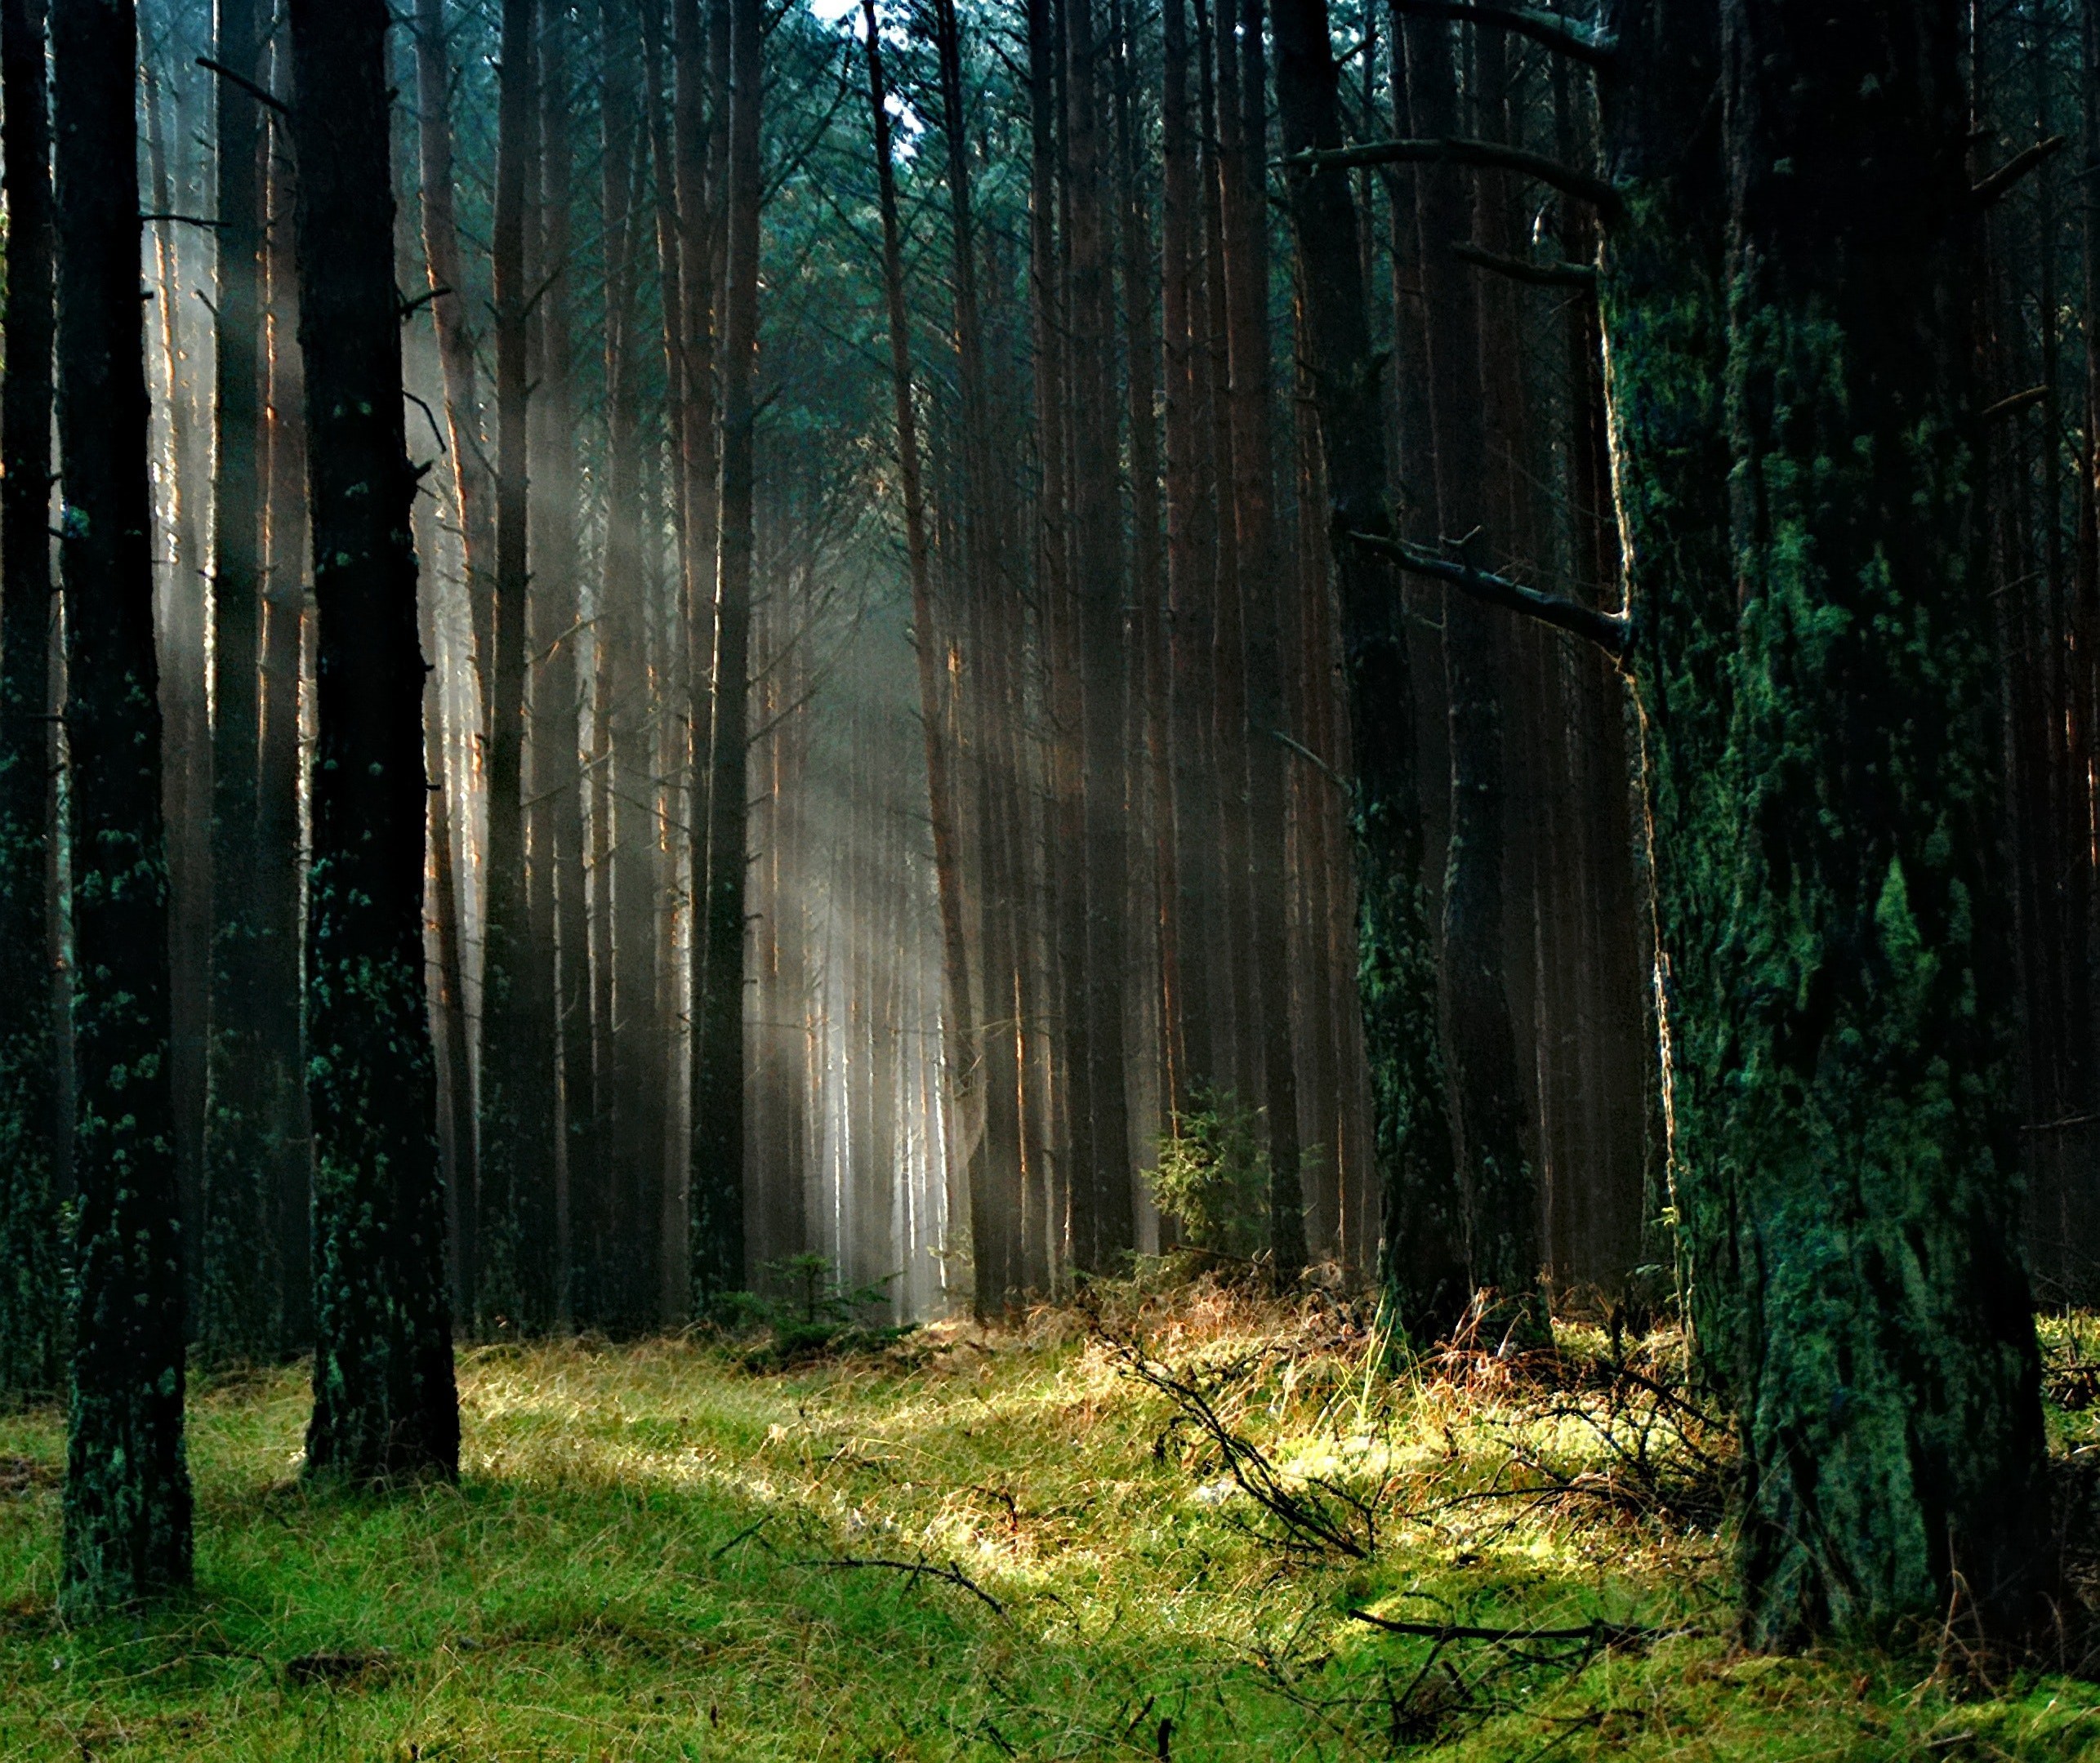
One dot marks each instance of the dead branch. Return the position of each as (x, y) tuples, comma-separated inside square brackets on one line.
[(1580, 275), (1593, 1634), (1487, 155), (1565, 36), (1607, 630), (2015, 168)]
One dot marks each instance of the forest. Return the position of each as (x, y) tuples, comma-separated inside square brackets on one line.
[(951, 879)]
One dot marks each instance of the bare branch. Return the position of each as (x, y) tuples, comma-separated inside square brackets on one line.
[(2014, 169), (261, 95), (1607, 630), (1535, 275), (918, 1569), (1486, 154), (1565, 36), (2011, 405)]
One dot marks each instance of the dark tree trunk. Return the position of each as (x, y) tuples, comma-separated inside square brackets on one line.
[(514, 1283), (1265, 603), (278, 884), (718, 1019), (384, 1402), (239, 1294), (1423, 1276), (1845, 1171), (1497, 1200), (32, 1321), (127, 1503)]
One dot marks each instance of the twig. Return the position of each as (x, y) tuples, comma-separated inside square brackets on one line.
[(187, 220), (954, 1576)]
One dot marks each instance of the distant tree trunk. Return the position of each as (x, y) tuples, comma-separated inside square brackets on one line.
[(1497, 1196), (127, 1502), (1186, 916), (278, 989), (963, 1056), (384, 1402), (718, 1016), (238, 1295), (32, 1320), (558, 841), (1423, 1276), (514, 1284), (457, 338), (1264, 601), (1846, 1153)]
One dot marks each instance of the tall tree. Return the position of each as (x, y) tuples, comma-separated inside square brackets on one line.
[(718, 1015), (1844, 1171), (1423, 1274), (514, 1210), (238, 1294), (127, 1502), (383, 1401), (32, 1330)]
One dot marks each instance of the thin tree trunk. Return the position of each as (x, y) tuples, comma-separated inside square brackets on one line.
[(718, 1041)]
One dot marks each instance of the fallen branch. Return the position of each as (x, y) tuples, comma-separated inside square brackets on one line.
[(1487, 155), (1608, 1634), (1607, 630), (2014, 169), (950, 1575)]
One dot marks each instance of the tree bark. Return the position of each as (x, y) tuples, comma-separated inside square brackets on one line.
[(32, 1319), (126, 1533), (1422, 1273), (1845, 1179), (384, 1402), (717, 1200)]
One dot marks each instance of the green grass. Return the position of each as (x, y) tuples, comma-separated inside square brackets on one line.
[(628, 1570)]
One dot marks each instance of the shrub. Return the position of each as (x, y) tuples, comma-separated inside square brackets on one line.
[(1212, 1177)]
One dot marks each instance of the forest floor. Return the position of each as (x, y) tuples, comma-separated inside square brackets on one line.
[(1022, 1544)]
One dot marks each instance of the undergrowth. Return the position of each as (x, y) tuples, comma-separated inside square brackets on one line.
[(1191, 1524)]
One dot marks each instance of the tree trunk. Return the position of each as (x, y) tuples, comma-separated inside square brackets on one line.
[(1423, 1275), (32, 1321), (718, 1039), (1845, 1166), (514, 1210), (238, 1296), (1497, 1199), (127, 1500), (286, 1135), (384, 1402)]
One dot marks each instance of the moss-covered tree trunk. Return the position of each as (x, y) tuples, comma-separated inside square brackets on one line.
[(127, 1528), (1846, 1182), (1424, 1273), (384, 1403), (32, 1320)]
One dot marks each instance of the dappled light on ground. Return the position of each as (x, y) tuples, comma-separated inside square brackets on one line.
[(981, 1545)]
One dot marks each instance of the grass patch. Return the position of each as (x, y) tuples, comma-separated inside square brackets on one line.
[(655, 1553)]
